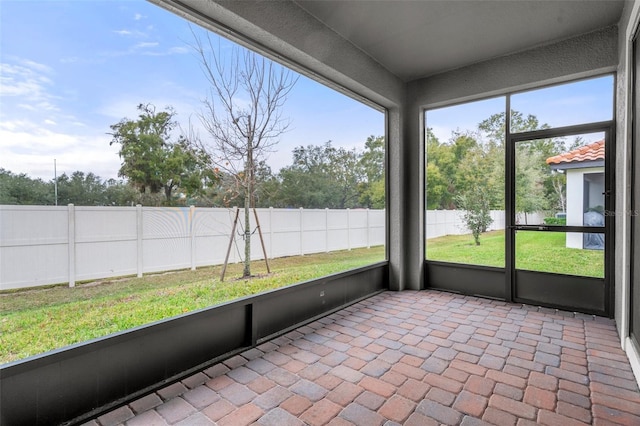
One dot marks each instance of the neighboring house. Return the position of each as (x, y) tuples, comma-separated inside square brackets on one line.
[(584, 168)]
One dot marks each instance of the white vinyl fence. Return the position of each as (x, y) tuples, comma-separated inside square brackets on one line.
[(42, 245), (449, 222)]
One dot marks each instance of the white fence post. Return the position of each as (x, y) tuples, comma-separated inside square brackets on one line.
[(349, 229), (326, 229), (72, 244), (271, 232), (368, 231), (139, 263), (192, 231), (301, 233), (235, 256)]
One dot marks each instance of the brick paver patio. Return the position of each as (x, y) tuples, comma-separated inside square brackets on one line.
[(414, 358)]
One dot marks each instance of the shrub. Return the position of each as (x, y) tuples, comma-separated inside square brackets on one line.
[(477, 216)]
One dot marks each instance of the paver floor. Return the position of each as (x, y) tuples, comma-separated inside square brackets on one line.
[(413, 358)]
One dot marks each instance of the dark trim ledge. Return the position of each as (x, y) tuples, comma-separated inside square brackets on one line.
[(73, 384)]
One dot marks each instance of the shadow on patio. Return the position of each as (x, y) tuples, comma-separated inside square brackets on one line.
[(411, 357)]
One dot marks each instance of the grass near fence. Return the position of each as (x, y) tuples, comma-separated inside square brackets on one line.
[(38, 320), (535, 251)]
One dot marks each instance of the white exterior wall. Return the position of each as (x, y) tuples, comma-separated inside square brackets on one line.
[(43, 245), (629, 25), (575, 202), (575, 188)]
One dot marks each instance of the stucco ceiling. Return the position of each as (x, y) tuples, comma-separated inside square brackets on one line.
[(414, 39)]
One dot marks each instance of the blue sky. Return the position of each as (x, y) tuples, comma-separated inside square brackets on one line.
[(70, 69), (579, 102)]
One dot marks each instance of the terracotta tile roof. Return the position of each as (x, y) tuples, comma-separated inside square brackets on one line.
[(591, 152)]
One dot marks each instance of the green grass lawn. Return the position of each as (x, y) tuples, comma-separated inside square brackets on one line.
[(38, 320), (462, 249), (535, 251)]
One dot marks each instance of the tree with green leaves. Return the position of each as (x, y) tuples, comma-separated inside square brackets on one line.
[(120, 193), (475, 204), (81, 189), (322, 176), (494, 126), (152, 162), (438, 173), (454, 166), (476, 159), (530, 178), (537, 188), (227, 193), (372, 161), (20, 189)]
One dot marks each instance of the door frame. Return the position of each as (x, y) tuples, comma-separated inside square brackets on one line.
[(634, 199), (600, 299)]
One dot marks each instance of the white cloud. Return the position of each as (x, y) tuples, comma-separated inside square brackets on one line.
[(130, 33), (147, 48), (36, 66), (138, 16), (45, 105), (29, 83), (29, 148), (69, 60), (34, 130), (11, 126), (28, 107), (178, 50), (18, 80), (145, 45), (28, 135), (39, 106)]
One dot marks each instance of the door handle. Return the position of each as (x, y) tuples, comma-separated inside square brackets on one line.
[(529, 227)]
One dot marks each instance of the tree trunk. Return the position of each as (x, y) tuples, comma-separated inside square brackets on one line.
[(247, 207), (247, 238)]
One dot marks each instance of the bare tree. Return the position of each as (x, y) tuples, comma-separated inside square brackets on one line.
[(243, 117)]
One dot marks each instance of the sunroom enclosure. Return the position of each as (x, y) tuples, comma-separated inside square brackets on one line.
[(505, 166), (93, 378)]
